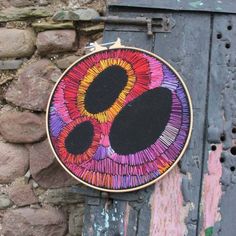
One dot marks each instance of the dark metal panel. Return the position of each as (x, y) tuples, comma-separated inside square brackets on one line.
[(187, 49), (219, 190), (226, 6)]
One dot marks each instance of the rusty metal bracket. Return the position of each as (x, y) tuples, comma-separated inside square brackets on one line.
[(163, 23), (158, 23)]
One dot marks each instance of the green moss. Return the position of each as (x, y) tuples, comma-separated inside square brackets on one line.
[(51, 25), (209, 231)]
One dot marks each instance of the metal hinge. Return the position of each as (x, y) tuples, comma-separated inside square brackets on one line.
[(163, 23)]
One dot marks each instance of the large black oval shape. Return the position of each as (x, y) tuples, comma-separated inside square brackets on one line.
[(105, 89), (140, 123), (80, 138)]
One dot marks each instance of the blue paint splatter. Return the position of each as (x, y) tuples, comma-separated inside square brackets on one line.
[(196, 4)]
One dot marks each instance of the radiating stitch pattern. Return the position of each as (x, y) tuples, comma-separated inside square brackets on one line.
[(119, 119)]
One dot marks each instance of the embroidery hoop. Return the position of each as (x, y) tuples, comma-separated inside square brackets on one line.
[(117, 45)]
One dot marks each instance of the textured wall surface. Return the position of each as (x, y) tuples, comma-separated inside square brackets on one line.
[(35, 198)]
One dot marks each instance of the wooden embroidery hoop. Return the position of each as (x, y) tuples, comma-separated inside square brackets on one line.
[(117, 45)]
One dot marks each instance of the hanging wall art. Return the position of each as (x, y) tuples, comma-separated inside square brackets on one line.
[(119, 119)]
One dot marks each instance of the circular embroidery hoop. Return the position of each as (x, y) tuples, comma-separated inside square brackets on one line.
[(119, 119)]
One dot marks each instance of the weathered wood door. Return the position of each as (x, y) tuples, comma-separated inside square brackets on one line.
[(197, 196)]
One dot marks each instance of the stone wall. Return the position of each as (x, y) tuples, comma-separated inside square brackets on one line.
[(34, 50)]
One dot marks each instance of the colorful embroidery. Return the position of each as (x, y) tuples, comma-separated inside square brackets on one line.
[(119, 118)]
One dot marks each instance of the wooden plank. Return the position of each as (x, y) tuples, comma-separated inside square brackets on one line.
[(219, 191), (106, 218), (178, 193), (226, 6), (187, 49), (171, 206)]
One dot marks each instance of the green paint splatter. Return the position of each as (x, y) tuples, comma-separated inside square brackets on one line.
[(209, 231), (196, 4)]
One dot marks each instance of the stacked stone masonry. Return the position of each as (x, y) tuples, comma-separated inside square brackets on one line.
[(38, 40)]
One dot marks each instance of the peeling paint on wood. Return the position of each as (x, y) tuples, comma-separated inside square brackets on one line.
[(126, 219), (107, 218), (131, 221), (212, 191), (190, 56), (221, 116), (167, 206)]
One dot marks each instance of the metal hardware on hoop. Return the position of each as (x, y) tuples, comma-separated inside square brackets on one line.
[(97, 47)]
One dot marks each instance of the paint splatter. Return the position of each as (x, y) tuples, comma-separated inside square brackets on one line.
[(196, 4), (209, 231)]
